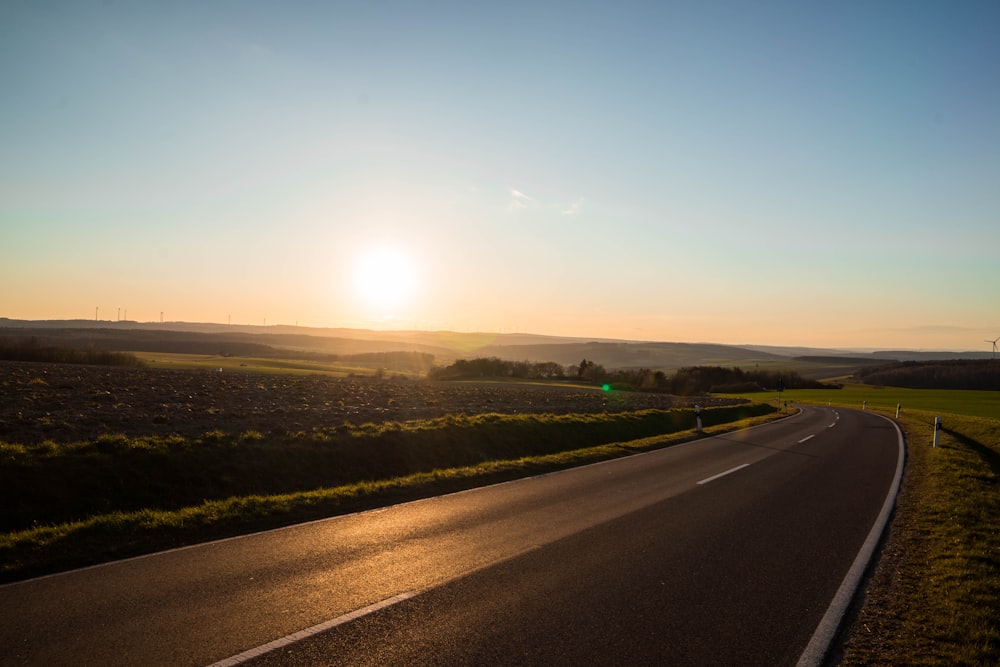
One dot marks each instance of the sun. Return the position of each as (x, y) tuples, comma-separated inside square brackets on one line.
[(385, 280)]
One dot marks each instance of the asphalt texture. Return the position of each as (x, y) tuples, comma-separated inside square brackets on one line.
[(631, 561)]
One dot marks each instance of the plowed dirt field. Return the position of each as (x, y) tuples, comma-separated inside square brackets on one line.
[(70, 403)]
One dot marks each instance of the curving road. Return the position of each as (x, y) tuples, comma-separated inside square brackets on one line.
[(727, 550)]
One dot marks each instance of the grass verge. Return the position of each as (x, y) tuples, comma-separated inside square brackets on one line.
[(934, 596), (100, 536)]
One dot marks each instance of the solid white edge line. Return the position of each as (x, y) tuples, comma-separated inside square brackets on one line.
[(723, 474), (817, 648), (309, 632), (808, 437)]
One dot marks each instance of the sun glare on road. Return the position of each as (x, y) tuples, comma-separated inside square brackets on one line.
[(385, 280)]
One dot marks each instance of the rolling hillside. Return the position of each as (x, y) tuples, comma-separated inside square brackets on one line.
[(445, 346)]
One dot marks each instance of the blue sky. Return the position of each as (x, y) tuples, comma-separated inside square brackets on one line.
[(772, 173)]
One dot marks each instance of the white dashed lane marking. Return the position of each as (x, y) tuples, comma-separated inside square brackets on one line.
[(723, 474), (309, 632)]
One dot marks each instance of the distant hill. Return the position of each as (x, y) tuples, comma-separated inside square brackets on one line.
[(448, 346)]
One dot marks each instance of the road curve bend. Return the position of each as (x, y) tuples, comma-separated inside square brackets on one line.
[(725, 550)]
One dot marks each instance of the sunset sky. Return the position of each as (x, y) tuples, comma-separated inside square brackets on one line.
[(816, 174)]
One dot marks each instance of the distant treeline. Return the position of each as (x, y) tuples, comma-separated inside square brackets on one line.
[(951, 374), (492, 367), (691, 381), (696, 380), (31, 349)]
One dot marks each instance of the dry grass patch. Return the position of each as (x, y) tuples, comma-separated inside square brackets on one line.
[(934, 597)]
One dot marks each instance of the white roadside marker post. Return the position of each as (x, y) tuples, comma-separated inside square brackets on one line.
[(697, 415), (937, 430), (897, 410)]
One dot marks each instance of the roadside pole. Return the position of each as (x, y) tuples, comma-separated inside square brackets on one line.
[(697, 416), (937, 430)]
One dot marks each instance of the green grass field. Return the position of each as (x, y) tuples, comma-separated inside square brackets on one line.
[(950, 401), (263, 365)]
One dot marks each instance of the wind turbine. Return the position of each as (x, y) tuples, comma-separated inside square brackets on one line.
[(994, 342)]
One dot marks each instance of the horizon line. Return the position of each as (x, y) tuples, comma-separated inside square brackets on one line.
[(166, 323)]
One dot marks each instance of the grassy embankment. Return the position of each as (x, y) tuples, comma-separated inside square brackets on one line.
[(70, 505), (934, 597)]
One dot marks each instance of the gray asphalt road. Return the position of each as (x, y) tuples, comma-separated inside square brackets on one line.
[(723, 551)]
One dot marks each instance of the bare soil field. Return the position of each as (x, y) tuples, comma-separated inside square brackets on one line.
[(70, 403)]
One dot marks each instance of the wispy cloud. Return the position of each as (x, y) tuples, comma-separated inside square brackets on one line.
[(518, 200), (572, 209)]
